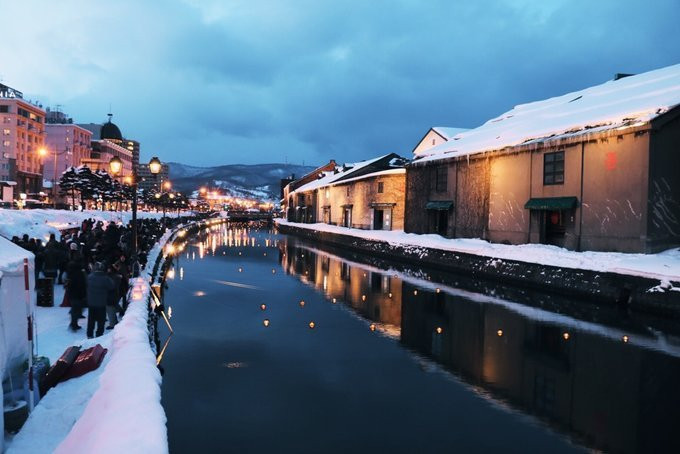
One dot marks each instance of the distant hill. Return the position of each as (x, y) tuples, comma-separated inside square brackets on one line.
[(260, 181)]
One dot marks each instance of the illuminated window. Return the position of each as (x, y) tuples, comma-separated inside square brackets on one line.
[(6, 143), (6, 132), (553, 168)]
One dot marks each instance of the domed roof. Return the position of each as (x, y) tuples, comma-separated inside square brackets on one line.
[(110, 131)]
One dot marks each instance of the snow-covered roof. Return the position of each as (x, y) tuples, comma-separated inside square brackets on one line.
[(447, 132), (379, 173), (630, 101), (330, 177)]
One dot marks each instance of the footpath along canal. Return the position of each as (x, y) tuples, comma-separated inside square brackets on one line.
[(282, 345)]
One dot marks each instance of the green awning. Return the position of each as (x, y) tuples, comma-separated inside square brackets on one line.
[(551, 203), (440, 205)]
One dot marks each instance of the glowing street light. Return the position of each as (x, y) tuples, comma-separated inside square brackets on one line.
[(115, 165), (155, 165)]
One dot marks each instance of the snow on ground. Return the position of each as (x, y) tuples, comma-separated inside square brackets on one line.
[(664, 266), (40, 223), (116, 408)]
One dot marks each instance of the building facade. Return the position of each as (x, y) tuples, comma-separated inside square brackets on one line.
[(585, 171), (22, 135), (365, 195), (149, 182), (66, 143), (103, 151)]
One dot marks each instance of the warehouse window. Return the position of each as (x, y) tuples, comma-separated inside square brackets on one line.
[(553, 168)]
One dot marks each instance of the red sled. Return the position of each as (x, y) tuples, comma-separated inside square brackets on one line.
[(87, 361)]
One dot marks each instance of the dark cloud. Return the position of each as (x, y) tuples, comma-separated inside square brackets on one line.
[(263, 81)]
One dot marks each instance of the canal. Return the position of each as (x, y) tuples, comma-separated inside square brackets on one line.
[(280, 345)]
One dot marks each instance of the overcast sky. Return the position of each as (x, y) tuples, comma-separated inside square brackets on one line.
[(208, 82)]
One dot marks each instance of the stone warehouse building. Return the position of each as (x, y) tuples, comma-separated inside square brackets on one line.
[(364, 195), (595, 169)]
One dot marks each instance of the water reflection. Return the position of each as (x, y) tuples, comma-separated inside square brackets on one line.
[(608, 388)]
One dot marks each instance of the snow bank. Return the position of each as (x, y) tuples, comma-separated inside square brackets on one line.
[(664, 266), (125, 413), (40, 223)]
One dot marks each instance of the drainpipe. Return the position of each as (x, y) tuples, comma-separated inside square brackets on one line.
[(455, 199), (580, 211), (531, 179)]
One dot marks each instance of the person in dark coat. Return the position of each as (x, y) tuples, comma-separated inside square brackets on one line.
[(112, 307), (76, 288), (51, 260), (99, 288)]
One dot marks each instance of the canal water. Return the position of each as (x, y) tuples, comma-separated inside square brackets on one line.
[(281, 345)]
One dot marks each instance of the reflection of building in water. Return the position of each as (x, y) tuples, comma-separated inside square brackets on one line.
[(374, 295), (614, 395)]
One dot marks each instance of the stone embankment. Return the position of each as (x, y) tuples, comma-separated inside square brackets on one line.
[(625, 290)]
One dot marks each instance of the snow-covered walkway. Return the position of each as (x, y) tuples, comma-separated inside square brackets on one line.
[(664, 266)]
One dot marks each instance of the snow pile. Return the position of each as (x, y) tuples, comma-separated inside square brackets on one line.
[(627, 102), (664, 266), (125, 413), (13, 343), (40, 223)]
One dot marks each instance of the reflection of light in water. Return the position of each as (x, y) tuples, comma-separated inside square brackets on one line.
[(335, 300), (372, 326), (499, 332), (201, 251), (193, 255), (302, 303), (265, 254), (263, 306), (170, 274), (325, 282), (273, 271), (265, 322), (235, 365), (240, 270), (169, 311), (565, 336), (237, 284), (312, 325), (181, 273), (199, 293)]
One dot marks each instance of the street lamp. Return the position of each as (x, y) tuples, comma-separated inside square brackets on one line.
[(155, 165), (115, 165), (43, 153)]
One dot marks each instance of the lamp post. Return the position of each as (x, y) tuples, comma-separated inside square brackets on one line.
[(43, 153), (115, 165)]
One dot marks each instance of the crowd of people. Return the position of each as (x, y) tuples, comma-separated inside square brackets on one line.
[(93, 263)]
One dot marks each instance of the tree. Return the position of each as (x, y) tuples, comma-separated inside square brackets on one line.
[(68, 184)]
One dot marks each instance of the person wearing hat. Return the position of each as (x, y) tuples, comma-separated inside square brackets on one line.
[(99, 289)]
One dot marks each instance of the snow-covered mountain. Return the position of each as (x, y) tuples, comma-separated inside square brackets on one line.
[(259, 181)]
